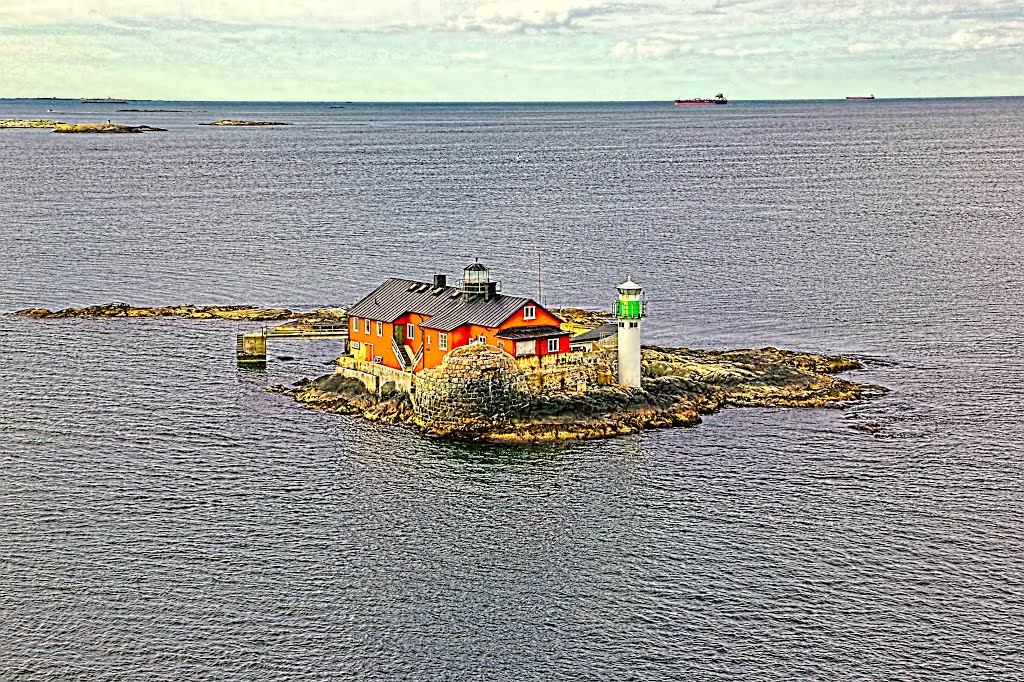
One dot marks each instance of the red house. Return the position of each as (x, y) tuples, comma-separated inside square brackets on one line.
[(411, 325)]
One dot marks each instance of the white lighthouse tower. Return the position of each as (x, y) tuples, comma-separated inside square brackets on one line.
[(630, 312)]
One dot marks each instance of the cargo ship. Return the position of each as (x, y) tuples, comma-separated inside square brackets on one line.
[(718, 99), (860, 97)]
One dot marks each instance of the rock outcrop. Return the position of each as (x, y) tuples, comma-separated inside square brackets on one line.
[(105, 128), (586, 319), (478, 397), (29, 123), (231, 122), (240, 313)]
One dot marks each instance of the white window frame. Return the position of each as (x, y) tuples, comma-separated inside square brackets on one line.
[(442, 341), (380, 328), (530, 312), (482, 339), (366, 326), (553, 345), (410, 331), (355, 324)]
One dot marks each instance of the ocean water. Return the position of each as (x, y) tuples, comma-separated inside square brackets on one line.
[(164, 517)]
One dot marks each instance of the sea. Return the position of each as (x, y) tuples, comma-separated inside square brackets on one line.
[(163, 516)]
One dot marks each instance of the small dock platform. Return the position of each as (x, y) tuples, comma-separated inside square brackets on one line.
[(251, 347)]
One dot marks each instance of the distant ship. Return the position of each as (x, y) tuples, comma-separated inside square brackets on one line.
[(719, 99), (860, 97)]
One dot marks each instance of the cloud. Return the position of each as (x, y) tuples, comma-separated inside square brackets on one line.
[(519, 16), (470, 56), (861, 48), (499, 17), (654, 47), (977, 39), (387, 14)]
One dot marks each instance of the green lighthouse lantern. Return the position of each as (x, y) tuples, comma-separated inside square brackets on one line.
[(630, 304)]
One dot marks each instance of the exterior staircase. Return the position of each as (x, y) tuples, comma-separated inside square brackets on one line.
[(402, 355)]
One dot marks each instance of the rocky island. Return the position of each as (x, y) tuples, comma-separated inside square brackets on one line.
[(240, 313), (480, 393), (105, 128), (60, 127), (29, 123), (230, 122)]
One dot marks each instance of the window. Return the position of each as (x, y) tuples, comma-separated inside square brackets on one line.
[(530, 312), (482, 339), (380, 329), (553, 345), (355, 324), (410, 331), (366, 327), (442, 341)]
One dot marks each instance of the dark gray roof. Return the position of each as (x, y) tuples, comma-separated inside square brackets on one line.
[(540, 331), (602, 332), (444, 305)]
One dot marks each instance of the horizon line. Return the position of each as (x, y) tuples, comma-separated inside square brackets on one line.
[(103, 100)]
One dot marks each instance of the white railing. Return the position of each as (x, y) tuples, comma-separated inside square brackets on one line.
[(399, 354)]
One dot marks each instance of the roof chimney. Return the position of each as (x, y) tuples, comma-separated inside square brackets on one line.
[(440, 281)]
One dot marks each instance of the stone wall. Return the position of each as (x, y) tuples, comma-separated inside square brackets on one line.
[(375, 377), (575, 371), (479, 384), (474, 383)]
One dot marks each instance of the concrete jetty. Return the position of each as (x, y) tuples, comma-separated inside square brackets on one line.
[(251, 347)]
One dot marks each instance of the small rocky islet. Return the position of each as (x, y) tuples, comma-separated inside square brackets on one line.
[(106, 128), (239, 123), (480, 394), (239, 313), (29, 123), (679, 385), (60, 127)]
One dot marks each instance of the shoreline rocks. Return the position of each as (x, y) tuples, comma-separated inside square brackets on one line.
[(119, 310), (231, 122), (105, 128), (680, 385), (29, 123)]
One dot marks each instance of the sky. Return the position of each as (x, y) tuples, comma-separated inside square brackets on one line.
[(510, 50)]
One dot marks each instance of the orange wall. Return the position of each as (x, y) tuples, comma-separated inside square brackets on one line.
[(381, 344), (543, 318), (428, 338)]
